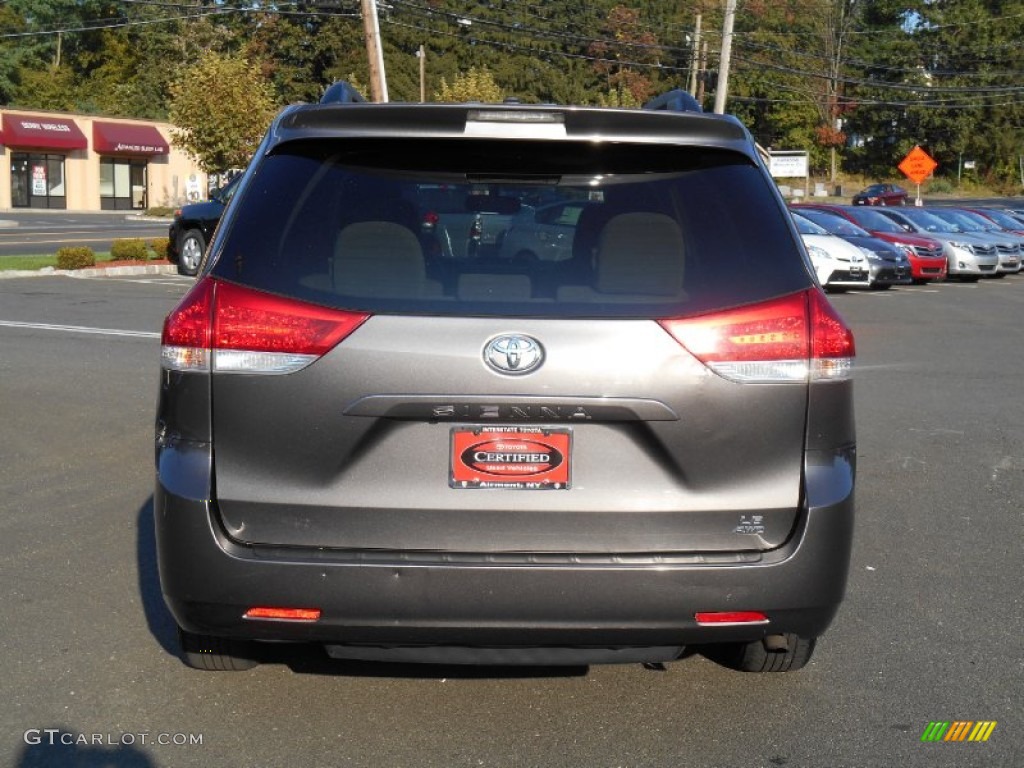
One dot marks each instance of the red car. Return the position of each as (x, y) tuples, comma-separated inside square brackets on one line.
[(927, 260), (881, 194)]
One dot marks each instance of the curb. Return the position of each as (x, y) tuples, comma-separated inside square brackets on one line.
[(150, 269)]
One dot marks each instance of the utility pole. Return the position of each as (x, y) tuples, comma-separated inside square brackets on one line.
[(722, 89), (702, 67), (695, 59), (421, 54), (374, 52)]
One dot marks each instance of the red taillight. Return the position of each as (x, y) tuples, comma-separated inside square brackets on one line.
[(250, 331), (789, 339), (430, 219), (188, 325), (245, 319), (728, 618), (283, 614), (830, 337)]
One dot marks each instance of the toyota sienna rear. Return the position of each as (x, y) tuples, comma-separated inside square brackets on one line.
[(387, 435)]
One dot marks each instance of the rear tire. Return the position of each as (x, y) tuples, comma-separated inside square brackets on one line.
[(216, 654), (767, 655), (190, 252)]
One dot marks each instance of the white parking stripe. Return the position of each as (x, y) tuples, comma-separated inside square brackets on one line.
[(165, 280), (80, 329)]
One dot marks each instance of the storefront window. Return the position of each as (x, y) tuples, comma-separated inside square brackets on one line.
[(37, 181), (122, 184)]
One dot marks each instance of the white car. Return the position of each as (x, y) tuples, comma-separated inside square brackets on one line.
[(543, 234), (837, 263)]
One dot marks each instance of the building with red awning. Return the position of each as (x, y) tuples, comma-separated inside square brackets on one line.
[(89, 163)]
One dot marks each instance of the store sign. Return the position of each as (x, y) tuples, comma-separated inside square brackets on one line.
[(139, 149), (30, 125), (39, 180), (788, 165)]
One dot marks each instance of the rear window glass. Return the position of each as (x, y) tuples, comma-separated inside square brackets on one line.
[(510, 228)]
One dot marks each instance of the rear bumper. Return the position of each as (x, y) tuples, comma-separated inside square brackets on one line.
[(373, 603)]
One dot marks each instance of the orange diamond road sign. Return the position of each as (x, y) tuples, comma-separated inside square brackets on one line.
[(917, 165)]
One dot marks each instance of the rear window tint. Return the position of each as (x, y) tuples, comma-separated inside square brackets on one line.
[(510, 228)]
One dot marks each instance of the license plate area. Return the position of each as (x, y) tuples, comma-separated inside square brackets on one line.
[(510, 458)]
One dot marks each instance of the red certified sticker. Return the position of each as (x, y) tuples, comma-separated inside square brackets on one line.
[(518, 458)]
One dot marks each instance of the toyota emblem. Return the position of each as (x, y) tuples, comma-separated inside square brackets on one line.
[(513, 354)]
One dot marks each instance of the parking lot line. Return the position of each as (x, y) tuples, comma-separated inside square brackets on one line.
[(79, 329)]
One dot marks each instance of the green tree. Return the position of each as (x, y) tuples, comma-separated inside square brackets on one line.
[(474, 85), (221, 107)]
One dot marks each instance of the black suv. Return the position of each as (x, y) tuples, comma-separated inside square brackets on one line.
[(193, 227), (376, 437)]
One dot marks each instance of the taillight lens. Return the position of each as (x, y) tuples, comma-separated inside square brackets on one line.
[(229, 328), (795, 338)]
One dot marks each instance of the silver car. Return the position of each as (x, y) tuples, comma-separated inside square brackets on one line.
[(968, 256), (1007, 244), (544, 233), (400, 453)]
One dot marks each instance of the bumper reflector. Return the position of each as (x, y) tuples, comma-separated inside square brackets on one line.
[(729, 618), (283, 614)]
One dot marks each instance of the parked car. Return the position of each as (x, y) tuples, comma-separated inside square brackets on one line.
[(1007, 244), (887, 265), (608, 458), (881, 194), (544, 233), (193, 226), (967, 257), (463, 221), (927, 260), (1004, 219), (838, 264)]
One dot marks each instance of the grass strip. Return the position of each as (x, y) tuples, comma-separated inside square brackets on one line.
[(30, 263)]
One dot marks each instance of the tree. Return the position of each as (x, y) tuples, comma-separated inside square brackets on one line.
[(628, 44), (474, 85), (221, 108)]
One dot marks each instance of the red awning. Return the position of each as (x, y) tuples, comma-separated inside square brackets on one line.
[(42, 132), (127, 139)]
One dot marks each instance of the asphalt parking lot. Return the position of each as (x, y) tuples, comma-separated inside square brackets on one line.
[(932, 628)]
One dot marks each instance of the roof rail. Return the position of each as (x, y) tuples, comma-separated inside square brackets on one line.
[(341, 93), (676, 100)]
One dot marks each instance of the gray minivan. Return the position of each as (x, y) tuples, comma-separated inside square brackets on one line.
[(401, 452)]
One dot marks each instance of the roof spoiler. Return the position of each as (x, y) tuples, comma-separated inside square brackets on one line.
[(341, 93), (676, 100)]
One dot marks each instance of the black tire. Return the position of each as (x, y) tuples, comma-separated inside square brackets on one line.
[(190, 252), (779, 653), (216, 654)]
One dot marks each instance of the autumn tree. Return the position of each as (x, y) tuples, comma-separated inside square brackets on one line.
[(626, 48), (221, 107)]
